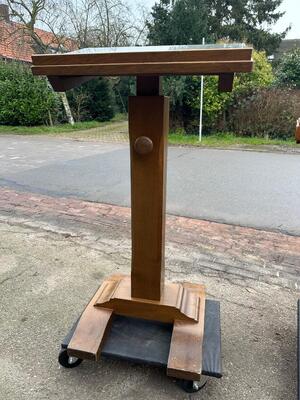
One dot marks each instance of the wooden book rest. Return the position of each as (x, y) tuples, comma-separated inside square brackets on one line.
[(145, 294)]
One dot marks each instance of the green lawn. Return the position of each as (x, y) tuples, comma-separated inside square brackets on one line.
[(38, 130), (58, 129), (117, 130), (225, 140)]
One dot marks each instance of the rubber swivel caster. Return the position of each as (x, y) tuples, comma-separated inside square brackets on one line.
[(66, 361), (192, 386)]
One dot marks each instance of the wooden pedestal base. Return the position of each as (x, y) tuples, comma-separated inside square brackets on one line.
[(178, 301), (145, 295), (182, 304)]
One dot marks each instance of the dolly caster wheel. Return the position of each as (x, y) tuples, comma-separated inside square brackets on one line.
[(192, 386), (66, 361)]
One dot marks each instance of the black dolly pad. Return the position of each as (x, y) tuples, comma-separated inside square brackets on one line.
[(148, 342)]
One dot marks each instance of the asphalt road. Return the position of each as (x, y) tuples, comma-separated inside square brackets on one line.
[(256, 189)]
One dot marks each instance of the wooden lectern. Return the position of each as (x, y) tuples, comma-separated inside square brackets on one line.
[(145, 294)]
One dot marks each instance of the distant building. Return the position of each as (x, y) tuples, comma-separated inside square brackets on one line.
[(17, 45), (285, 46)]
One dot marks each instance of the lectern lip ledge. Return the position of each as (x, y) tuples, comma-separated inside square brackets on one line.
[(149, 61), (152, 53), (145, 68), (66, 71)]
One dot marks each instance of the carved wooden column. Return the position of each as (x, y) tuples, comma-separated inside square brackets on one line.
[(148, 130)]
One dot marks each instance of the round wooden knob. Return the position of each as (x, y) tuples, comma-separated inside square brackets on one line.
[(143, 145)]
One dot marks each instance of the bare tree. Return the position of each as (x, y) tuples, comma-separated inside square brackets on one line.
[(86, 23), (102, 23), (79, 16), (142, 15), (28, 16)]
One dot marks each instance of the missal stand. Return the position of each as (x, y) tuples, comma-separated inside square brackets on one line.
[(162, 323)]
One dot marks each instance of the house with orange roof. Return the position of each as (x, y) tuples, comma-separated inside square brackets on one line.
[(17, 45)]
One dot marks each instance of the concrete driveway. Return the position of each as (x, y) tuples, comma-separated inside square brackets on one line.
[(254, 189), (55, 251), (52, 261)]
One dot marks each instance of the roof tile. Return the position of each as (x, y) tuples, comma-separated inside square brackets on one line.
[(16, 44)]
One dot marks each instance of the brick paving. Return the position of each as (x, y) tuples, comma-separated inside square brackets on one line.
[(116, 132), (210, 248)]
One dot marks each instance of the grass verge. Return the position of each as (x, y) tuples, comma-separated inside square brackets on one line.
[(58, 129), (225, 140), (116, 130)]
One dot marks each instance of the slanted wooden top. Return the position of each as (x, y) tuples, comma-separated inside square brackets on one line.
[(149, 60)]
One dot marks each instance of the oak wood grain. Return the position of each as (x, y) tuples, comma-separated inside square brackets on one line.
[(153, 68), (226, 54), (185, 357), (90, 331), (178, 302), (149, 117)]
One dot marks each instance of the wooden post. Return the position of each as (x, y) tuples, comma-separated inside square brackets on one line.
[(148, 130), (297, 133)]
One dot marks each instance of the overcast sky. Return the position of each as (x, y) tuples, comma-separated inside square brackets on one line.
[(292, 17)]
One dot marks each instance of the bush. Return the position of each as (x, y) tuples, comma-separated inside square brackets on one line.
[(288, 70), (24, 99), (213, 104), (261, 76), (174, 88), (94, 100), (184, 94), (269, 112), (245, 86), (123, 87)]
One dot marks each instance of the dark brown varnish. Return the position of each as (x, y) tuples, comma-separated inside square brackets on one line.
[(149, 117), (145, 294)]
